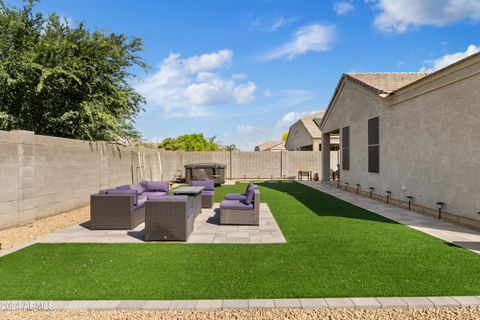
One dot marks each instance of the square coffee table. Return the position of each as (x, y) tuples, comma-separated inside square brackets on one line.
[(194, 195)]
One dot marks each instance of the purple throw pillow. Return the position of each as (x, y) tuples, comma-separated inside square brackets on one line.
[(157, 186), (138, 187), (248, 200), (207, 184)]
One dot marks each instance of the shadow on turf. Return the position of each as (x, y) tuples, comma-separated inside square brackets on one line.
[(323, 204)]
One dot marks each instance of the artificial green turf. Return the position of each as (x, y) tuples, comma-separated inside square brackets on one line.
[(333, 249)]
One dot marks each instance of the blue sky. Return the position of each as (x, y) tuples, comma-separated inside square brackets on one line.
[(245, 70)]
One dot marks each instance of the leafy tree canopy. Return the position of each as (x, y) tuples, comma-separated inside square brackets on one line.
[(192, 142), (65, 80), (284, 136)]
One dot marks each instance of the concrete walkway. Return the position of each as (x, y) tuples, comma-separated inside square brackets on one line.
[(207, 229), (216, 305), (455, 234)]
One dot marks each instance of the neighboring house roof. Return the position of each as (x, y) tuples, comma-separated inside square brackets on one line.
[(385, 82), (310, 124), (271, 146)]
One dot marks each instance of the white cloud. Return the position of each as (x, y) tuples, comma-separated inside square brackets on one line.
[(315, 37), (269, 24), (247, 129), (433, 65), (243, 93), (187, 87), (402, 15), (239, 76), (209, 61), (267, 93), (291, 117), (343, 7)]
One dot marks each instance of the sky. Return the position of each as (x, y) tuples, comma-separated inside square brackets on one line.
[(245, 70)]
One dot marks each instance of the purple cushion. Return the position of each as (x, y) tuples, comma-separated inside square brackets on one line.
[(138, 187), (105, 191), (124, 192), (169, 198), (235, 196), (235, 205), (155, 193), (208, 193), (249, 196), (207, 184), (249, 186), (124, 187), (156, 186)]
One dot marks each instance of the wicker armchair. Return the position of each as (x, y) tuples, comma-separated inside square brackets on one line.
[(238, 213), (208, 191), (168, 218)]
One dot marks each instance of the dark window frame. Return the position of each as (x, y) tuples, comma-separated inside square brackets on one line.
[(374, 145), (346, 148)]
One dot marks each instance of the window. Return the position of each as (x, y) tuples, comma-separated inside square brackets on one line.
[(373, 145), (346, 148)]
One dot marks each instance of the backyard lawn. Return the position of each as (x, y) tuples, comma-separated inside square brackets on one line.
[(333, 249)]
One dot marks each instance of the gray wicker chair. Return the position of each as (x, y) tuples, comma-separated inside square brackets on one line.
[(115, 211), (241, 214), (168, 218)]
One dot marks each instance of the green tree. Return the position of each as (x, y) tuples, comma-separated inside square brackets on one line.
[(65, 80), (190, 142), (284, 136)]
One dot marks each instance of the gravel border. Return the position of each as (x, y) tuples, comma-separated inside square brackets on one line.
[(17, 236), (330, 314)]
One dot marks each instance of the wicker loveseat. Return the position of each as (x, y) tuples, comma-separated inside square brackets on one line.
[(123, 207), (168, 218)]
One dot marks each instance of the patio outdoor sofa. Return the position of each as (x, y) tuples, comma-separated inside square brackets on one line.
[(168, 218), (123, 207), (241, 212), (208, 191)]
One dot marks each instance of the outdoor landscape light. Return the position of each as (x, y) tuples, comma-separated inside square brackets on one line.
[(358, 187), (409, 201), (387, 194), (440, 206), (346, 186), (371, 191)]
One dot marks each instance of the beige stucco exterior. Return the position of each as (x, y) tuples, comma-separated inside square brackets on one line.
[(299, 139), (429, 138)]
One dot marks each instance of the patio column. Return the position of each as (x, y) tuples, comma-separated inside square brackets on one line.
[(325, 156)]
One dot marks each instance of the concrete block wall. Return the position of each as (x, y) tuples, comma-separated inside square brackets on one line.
[(251, 165), (42, 176)]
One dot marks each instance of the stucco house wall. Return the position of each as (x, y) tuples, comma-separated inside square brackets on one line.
[(429, 138), (299, 139)]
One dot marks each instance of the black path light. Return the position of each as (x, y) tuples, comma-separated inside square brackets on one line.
[(409, 201), (440, 207), (371, 191), (346, 186), (387, 194), (358, 187)]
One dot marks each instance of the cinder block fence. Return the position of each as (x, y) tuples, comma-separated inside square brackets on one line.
[(42, 176)]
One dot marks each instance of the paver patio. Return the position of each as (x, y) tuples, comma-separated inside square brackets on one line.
[(206, 230)]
